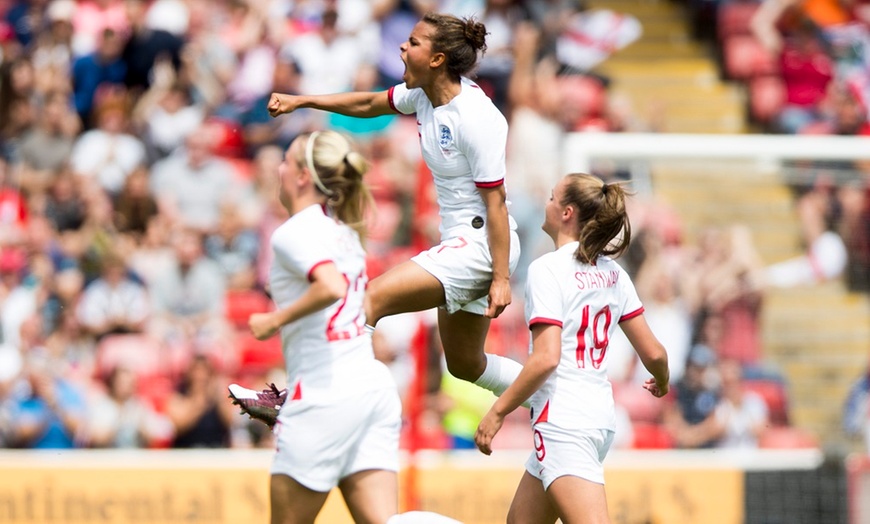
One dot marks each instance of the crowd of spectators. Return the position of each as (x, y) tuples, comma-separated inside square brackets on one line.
[(806, 62), (138, 194)]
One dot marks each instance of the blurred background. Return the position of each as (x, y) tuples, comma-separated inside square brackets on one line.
[(138, 194)]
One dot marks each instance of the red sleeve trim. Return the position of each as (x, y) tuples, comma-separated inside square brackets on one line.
[(543, 320), (631, 315), (390, 99), (489, 184), (315, 266)]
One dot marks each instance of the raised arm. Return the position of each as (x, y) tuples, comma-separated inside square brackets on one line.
[(362, 104)]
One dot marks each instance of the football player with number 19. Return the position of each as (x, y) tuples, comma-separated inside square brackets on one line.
[(575, 298)]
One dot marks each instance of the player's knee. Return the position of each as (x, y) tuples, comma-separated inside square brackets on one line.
[(370, 303), (466, 368)]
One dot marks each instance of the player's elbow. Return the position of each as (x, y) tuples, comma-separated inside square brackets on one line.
[(549, 361)]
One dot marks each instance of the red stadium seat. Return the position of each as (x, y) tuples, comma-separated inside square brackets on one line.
[(240, 304), (156, 390), (766, 97), (259, 356), (651, 436)]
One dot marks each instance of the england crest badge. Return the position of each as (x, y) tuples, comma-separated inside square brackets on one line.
[(445, 137)]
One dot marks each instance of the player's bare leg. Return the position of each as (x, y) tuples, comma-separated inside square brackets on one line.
[(293, 503), (463, 335), (403, 289), (531, 505), (371, 496), (579, 501)]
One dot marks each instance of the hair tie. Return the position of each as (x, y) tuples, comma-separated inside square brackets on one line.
[(604, 189), (309, 160)]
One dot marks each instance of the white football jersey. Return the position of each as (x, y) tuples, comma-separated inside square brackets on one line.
[(463, 144), (327, 354), (587, 302)]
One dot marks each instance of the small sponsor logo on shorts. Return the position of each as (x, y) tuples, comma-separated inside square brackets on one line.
[(477, 222)]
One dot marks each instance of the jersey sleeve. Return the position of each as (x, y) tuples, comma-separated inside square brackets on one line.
[(483, 142), (543, 296), (403, 100), (301, 250), (630, 304)]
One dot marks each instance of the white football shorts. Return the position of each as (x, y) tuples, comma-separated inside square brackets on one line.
[(463, 265), (318, 445), (560, 452)]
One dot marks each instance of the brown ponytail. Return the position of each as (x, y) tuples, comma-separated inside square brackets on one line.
[(461, 40), (601, 216)]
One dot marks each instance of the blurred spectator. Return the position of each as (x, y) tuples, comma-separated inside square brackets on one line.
[(845, 113), (153, 255), (70, 344), (172, 16), (260, 129), (50, 412), (62, 290), (263, 186), (667, 314), (108, 153), (46, 147), (165, 114), (741, 415), (188, 298), (10, 369), (806, 70), (91, 21), (725, 283), (14, 214), (326, 59), (26, 19), (135, 206), (691, 416), (52, 50), (501, 18), (64, 206), (192, 184), (856, 410), (234, 247), (114, 302), (854, 228), (20, 296), (252, 78), (145, 45), (396, 19), (826, 255), (100, 70), (199, 410), (16, 109), (119, 419)]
